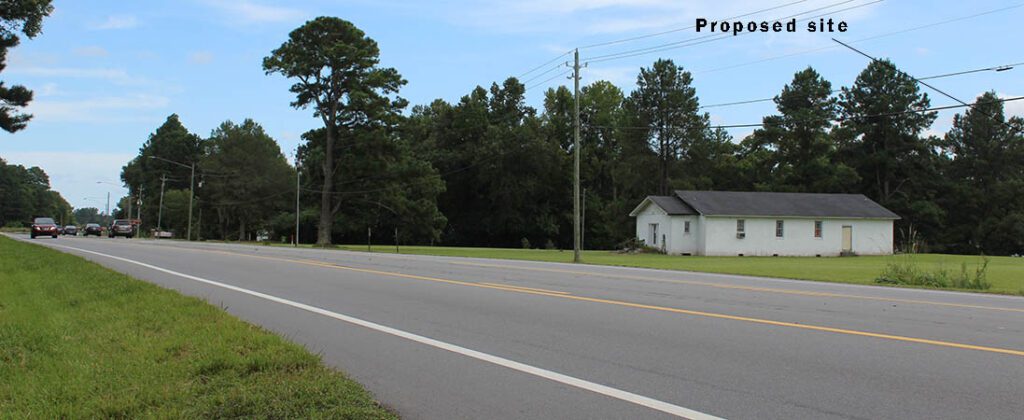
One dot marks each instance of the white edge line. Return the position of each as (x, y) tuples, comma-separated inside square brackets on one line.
[(500, 361)]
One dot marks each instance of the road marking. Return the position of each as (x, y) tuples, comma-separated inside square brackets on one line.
[(526, 288), (737, 287), (486, 357), (811, 327), (687, 282)]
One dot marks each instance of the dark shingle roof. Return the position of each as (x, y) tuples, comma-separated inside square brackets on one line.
[(672, 205), (736, 203)]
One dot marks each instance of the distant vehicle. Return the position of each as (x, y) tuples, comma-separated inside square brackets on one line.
[(44, 226), (121, 227), (70, 230), (93, 229)]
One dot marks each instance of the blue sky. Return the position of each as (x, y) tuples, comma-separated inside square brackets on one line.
[(106, 73)]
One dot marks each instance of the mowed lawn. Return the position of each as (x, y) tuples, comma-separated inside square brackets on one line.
[(80, 341), (1005, 273)]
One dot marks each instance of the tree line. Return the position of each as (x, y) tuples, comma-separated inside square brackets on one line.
[(489, 170), (25, 194)]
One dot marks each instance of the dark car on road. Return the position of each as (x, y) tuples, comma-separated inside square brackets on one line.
[(44, 226), (121, 227), (92, 229), (70, 230)]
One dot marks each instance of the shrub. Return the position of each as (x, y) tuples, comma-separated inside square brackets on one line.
[(907, 273), (525, 243), (549, 245)]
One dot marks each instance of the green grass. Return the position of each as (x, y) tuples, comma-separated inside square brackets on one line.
[(80, 341), (1005, 273)]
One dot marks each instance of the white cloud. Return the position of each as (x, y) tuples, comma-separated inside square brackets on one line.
[(1013, 108), (117, 76), (104, 109), (622, 76), (200, 57), (74, 174), (116, 22), (245, 11), (91, 51)]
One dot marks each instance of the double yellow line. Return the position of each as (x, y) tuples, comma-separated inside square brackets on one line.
[(566, 295)]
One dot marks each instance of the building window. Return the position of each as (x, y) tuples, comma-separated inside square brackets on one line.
[(817, 228), (686, 227), (741, 229), (654, 234), (779, 228)]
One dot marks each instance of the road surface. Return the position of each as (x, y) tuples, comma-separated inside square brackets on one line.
[(451, 338)]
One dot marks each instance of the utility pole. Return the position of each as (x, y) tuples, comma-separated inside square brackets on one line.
[(160, 212), (583, 220), (191, 196), (138, 211), (129, 215), (298, 173), (108, 204), (576, 239)]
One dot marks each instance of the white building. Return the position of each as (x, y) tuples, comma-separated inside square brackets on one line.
[(764, 224)]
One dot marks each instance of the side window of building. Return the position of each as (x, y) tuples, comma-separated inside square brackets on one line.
[(741, 228), (817, 228), (686, 227), (779, 228)]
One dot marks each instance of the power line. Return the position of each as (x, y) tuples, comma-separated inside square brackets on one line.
[(545, 63), (715, 37), (1003, 67), (887, 114), (550, 79), (873, 59), (541, 74), (624, 40), (871, 38)]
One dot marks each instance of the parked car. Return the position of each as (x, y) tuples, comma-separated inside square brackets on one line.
[(121, 227), (70, 230), (44, 226), (93, 229)]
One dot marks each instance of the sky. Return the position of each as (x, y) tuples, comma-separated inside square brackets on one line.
[(106, 74)]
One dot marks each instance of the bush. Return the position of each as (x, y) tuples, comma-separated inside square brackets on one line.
[(525, 243), (634, 245), (549, 245), (907, 273)]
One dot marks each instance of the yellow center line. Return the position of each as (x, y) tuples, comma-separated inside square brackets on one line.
[(707, 284), (526, 288), (844, 331), (737, 287)]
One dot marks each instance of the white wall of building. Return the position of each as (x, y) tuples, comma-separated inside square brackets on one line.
[(870, 237), (653, 214)]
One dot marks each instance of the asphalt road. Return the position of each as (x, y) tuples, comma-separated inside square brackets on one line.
[(449, 338)]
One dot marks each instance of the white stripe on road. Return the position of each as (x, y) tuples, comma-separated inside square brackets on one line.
[(500, 361)]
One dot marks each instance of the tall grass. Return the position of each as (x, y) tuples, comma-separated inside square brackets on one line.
[(908, 273)]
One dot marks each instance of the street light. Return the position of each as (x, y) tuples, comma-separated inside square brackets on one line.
[(191, 189), (108, 197)]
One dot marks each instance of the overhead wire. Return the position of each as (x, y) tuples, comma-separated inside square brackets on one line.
[(841, 119), (870, 38), (1003, 67), (715, 37), (639, 37)]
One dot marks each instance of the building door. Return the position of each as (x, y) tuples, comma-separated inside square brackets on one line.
[(653, 238), (847, 238)]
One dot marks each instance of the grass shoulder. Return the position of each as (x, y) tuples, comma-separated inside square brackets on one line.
[(79, 340), (1005, 274)]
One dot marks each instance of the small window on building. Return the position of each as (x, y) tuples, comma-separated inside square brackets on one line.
[(654, 233), (741, 226), (779, 228), (686, 227), (817, 228)]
